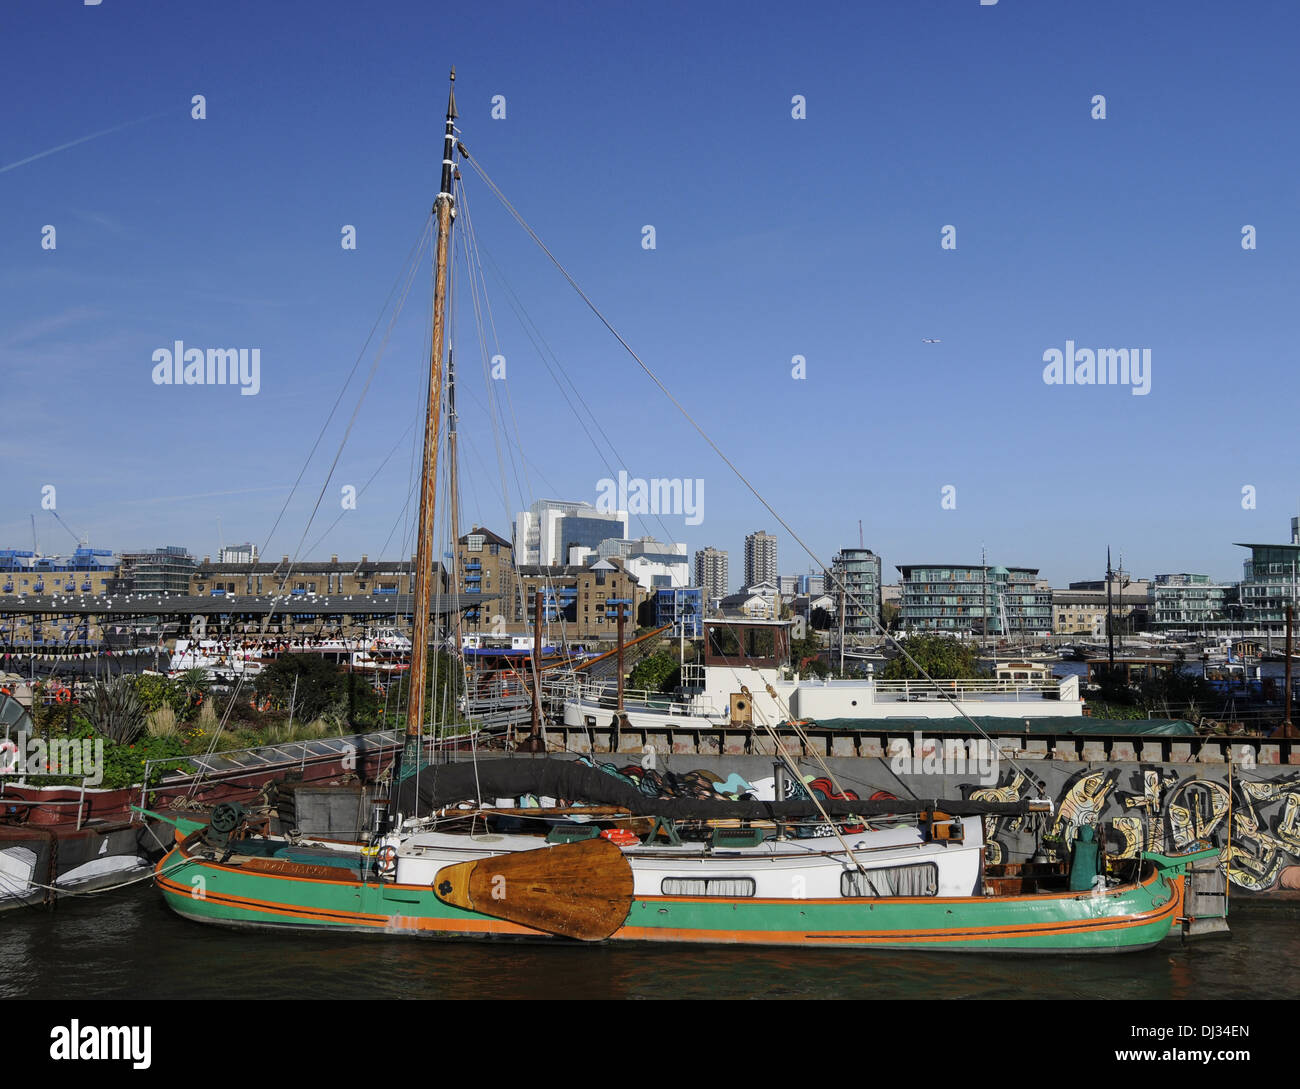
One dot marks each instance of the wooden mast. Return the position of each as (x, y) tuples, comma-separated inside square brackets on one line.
[(444, 211)]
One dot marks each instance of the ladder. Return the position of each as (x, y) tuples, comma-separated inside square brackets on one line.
[(1205, 905)]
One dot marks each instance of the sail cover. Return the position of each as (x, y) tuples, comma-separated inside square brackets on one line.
[(439, 785)]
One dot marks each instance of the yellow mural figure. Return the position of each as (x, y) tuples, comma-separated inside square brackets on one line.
[(1129, 829), (1009, 792), (1154, 783), (1196, 809), (1288, 828), (1083, 803), (1256, 869)]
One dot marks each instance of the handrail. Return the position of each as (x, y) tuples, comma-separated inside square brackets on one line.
[(80, 802)]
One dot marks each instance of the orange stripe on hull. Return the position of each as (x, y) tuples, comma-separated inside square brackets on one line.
[(879, 937), (292, 913), (470, 927)]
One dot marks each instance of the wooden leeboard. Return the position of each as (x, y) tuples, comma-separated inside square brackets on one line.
[(576, 890)]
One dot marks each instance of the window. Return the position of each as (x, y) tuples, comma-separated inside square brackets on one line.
[(918, 879), (708, 886)]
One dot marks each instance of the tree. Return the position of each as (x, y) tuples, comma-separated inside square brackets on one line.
[(803, 650), (815, 667), (321, 686), (440, 698), (660, 672), (942, 657)]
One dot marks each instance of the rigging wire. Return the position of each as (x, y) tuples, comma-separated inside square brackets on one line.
[(654, 378), (409, 272)]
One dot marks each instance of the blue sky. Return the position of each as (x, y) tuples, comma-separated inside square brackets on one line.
[(775, 238)]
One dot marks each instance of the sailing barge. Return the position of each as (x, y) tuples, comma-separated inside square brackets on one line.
[(607, 862), (913, 876)]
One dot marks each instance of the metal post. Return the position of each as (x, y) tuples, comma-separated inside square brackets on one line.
[(620, 658), (842, 607), (537, 658), (1286, 725), (1110, 619)]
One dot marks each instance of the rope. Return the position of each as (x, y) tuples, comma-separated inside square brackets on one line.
[(147, 876)]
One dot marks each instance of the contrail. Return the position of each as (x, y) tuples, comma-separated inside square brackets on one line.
[(74, 143)]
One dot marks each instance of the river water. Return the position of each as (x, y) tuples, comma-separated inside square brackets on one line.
[(128, 945)]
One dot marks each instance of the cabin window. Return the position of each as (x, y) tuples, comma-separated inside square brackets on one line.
[(708, 886), (918, 879)]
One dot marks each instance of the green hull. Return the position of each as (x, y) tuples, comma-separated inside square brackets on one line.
[(1127, 918)]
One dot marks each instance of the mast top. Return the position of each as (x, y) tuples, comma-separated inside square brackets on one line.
[(449, 142)]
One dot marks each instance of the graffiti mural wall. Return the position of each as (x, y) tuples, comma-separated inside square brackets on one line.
[(1167, 808)]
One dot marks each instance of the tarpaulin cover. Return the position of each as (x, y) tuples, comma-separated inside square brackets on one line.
[(1062, 725), (446, 784)]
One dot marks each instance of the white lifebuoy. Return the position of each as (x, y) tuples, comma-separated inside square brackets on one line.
[(386, 862)]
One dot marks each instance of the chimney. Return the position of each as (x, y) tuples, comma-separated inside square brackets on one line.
[(207, 559), (285, 559), (334, 559), (364, 557)]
